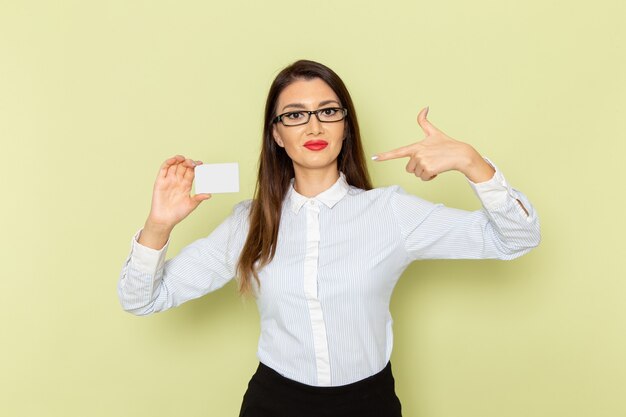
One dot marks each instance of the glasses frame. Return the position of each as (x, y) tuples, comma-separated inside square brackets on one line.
[(279, 118)]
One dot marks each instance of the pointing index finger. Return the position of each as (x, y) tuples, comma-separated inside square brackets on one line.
[(403, 152)]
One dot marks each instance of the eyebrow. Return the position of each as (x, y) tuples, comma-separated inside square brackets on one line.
[(302, 106)]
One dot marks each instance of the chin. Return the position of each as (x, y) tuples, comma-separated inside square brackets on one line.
[(322, 163)]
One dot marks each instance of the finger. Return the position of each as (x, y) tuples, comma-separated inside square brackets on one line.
[(411, 165), (414, 166), (171, 170), (176, 158), (201, 197), (168, 163), (425, 175), (180, 170), (426, 126), (428, 172), (402, 152), (189, 175)]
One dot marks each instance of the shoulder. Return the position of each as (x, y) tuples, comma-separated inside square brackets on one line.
[(241, 212), (243, 207)]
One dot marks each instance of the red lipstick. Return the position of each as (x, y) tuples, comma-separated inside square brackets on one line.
[(316, 145)]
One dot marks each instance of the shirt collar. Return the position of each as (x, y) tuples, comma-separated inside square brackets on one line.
[(330, 197)]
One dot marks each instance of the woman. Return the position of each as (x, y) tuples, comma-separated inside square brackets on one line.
[(320, 249)]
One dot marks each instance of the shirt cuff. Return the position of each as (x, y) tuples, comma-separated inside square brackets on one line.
[(146, 259), (494, 192)]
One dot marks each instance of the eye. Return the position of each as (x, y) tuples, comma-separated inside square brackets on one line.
[(294, 116), (329, 112)]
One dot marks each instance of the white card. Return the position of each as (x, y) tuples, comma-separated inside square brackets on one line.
[(216, 178)]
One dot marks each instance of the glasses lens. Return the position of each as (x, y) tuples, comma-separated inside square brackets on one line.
[(295, 118), (331, 114), (328, 114)]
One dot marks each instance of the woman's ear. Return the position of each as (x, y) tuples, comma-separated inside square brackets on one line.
[(277, 138)]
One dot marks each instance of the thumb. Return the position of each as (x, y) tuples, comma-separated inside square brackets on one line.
[(199, 198), (426, 126)]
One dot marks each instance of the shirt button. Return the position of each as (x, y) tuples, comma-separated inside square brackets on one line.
[(312, 202)]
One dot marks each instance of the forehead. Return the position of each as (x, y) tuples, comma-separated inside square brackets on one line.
[(307, 92)]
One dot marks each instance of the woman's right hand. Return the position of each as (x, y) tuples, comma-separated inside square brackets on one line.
[(171, 199)]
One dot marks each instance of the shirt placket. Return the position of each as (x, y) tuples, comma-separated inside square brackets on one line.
[(318, 326)]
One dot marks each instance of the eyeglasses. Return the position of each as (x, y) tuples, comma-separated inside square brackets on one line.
[(325, 115)]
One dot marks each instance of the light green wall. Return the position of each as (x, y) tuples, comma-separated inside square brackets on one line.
[(95, 95)]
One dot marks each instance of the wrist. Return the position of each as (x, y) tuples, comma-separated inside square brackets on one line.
[(154, 235), (476, 169), (157, 228)]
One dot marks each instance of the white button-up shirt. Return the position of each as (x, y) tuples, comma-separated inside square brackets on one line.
[(324, 298)]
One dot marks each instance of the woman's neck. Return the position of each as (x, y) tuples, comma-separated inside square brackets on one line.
[(311, 182)]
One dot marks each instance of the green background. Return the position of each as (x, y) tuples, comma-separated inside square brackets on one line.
[(95, 95)]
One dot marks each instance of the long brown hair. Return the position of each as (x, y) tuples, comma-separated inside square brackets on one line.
[(276, 170)]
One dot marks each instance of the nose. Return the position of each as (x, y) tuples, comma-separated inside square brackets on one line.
[(314, 126)]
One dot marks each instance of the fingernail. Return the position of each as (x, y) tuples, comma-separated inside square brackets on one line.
[(427, 108), (375, 157)]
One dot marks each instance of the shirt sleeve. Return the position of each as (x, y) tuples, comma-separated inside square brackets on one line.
[(148, 283), (505, 228)]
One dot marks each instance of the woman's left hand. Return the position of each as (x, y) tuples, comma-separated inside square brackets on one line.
[(438, 153)]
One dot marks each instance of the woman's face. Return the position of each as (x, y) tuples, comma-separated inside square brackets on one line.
[(314, 145)]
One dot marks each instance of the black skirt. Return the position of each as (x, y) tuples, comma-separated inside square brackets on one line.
[(270, 394)]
